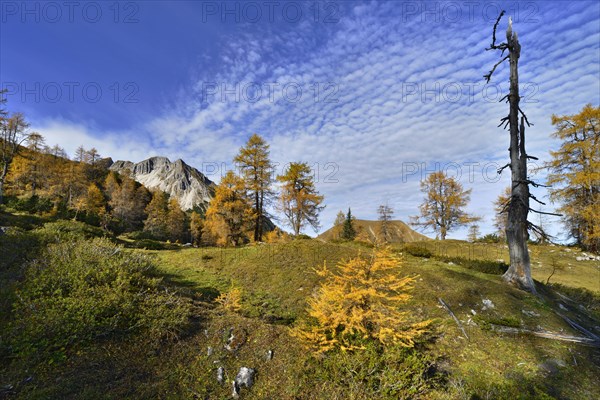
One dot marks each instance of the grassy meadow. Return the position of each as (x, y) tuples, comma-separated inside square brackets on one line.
[(153, 353)]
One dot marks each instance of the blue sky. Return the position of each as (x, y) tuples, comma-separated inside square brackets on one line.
[(373, 94)]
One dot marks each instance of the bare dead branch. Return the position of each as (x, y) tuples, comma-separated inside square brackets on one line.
[(536, 199), (525, 116), (488, 76), (447, 307), (578, 327), (544, 212), (503, 168), (548, 335), (532, 183), (539, 231), (493, 45)]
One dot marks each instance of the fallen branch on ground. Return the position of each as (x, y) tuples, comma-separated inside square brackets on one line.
[(548, 335), (447, 307)]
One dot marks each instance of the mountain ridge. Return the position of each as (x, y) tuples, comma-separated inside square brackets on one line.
[(188, 185)]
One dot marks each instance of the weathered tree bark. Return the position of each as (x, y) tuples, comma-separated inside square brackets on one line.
[(519, 272), (2, 179)]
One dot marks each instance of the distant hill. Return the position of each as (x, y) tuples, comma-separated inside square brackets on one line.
[(181, 181), (371, 230)]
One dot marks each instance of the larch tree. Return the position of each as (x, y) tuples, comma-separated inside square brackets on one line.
[(256, 170), (385, 213), (58, 151), (157, 219), (80, 154), (111, 184), (229, 212), (196, 228), (500, 212), (92, 156), (443, 207), (517, 229), (13, 133), (176, 221), (128, 203), (36, 170), (474, 233), (338, 223), (575, 174), (299, 200), (362, 302), (94, 204)]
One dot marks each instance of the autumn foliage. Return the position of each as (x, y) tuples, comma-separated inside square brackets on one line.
[(443, 207), (359, 303), (575, 174)]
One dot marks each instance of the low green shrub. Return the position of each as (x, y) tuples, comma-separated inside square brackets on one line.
[(373, 373), (149, 244), (485, 266), (302, 236), (84, 291), (490, 238), (417, 251), (138, 235), (65, 230), (32, 204)]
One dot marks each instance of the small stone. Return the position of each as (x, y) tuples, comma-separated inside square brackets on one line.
[(245, 377), (487, 304), (530, 313), (270, 355), (221, 375), (209, 351)]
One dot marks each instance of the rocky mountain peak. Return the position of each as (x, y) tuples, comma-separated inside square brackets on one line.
[(181, 181)]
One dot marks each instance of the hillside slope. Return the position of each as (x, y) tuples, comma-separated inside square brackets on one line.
[(371, 231), (276, 283)]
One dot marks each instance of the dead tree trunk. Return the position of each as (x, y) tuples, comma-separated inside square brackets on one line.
[(519, 272)]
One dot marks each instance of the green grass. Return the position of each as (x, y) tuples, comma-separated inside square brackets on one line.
[(544, 258), (276, 281)]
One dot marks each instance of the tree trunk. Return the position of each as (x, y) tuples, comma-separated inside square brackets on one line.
[(257, 219), (2, 179), (519, 272)]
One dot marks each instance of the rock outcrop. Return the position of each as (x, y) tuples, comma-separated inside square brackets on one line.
[(181, 181)]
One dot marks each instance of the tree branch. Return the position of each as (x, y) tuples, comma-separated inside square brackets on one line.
[(536, 199), (524, 116), (488, 76), (493, 45), (544, 213), (503, 168)]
